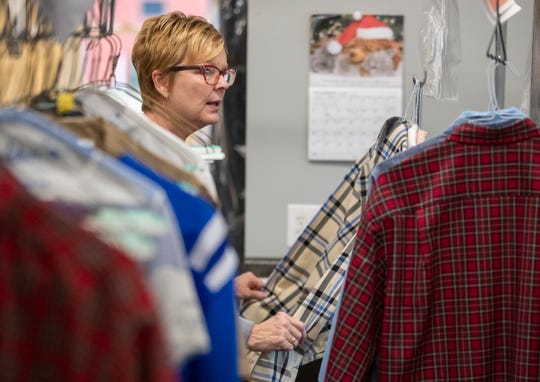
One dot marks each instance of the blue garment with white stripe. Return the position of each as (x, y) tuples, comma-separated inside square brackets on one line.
[(214, 264)]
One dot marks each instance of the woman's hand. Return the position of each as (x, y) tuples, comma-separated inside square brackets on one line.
[(248, 286)]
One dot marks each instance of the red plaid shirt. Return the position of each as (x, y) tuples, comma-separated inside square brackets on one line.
[(444, 284), (71, 307)]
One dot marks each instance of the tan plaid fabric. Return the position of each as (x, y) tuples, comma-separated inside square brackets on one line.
[(306, 282)]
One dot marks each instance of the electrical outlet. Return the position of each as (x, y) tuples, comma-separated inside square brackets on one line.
[(298, 217)]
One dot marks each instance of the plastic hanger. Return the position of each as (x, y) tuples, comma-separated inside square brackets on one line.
[(495, 118)]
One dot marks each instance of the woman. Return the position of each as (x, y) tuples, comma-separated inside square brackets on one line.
[(181, 66), (182, 69)]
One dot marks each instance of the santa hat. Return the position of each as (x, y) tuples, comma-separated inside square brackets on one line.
[(364, 26)]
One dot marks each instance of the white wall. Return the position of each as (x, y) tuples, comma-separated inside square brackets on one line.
[(277, 170)]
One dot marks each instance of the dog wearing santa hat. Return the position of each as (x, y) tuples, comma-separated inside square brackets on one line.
[(362, 38), (376, 51)]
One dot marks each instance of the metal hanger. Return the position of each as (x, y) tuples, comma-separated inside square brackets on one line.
[(417, 98), (497, 38)]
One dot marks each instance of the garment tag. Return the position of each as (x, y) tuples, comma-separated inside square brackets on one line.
[(507, 9), (412, 132), (134, 230), (421, 136)]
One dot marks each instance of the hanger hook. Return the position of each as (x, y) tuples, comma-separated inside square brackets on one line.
[(422, 82), (498, 38)]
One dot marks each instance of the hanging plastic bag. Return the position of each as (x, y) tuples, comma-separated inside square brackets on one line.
[(441, 49)]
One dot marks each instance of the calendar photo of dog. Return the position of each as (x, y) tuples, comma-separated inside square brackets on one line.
[(357, 45)]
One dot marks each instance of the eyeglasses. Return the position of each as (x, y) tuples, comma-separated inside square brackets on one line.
[(210, 73)]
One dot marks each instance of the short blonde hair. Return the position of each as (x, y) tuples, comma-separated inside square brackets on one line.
[(168, 40)]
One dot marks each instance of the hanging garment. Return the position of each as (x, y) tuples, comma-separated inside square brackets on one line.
[(153, 137), (506, 117), (115, 142), (72, 308), (70, 72), (316, 311), (29, 56), (443, 281), (305, 283), (116, 204), (214, 264), (494, 119)]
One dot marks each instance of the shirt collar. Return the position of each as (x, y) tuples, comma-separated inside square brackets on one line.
[(495, 130), (492, 119)]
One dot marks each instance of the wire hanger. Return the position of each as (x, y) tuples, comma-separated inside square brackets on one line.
[(497, 37), (418, 95), (498, 56), (413, 110), (102, 47)]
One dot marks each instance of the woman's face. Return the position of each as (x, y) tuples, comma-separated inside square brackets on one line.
[(193, 99)]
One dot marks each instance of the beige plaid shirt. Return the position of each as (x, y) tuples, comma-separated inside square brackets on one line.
[(307, 281)]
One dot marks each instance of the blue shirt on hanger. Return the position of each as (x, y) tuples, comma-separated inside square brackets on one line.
[(214, 264)]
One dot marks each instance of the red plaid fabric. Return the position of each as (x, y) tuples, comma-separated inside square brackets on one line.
[(71, 307), (444, 284)]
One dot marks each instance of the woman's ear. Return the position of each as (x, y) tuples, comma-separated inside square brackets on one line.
[(161, 83)]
